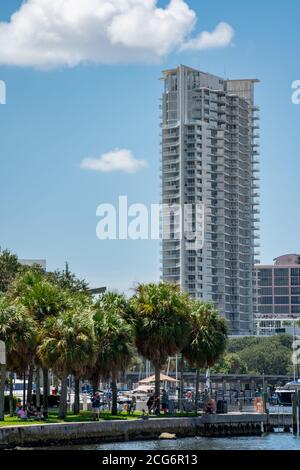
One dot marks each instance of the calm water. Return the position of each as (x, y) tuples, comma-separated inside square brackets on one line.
[(267, 442)]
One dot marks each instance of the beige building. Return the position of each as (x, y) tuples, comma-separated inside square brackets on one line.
[(278, 294)]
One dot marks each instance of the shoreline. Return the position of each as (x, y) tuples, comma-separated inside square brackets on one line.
[(41, 435)]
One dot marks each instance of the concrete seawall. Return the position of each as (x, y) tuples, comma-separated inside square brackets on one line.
[(112, 431)]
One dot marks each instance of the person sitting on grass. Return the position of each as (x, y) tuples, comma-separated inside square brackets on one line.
[(18, 406), (22, 413), (31, 411), (39, 414)]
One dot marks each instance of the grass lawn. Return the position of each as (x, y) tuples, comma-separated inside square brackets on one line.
[(84, 416), (191, 414)]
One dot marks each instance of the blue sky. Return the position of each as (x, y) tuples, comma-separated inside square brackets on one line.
[(56, 117)]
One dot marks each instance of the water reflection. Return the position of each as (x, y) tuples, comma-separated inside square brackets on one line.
[(266, 442)]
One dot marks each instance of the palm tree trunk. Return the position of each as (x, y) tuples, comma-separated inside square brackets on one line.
[(2, 390), (11, 394), (181, 384), (197, 390), (114, 390), (29, 384), (95, 384), (77, 396), (157, 388), (45, 391), (38, 387), (63, 396), (24, 388)]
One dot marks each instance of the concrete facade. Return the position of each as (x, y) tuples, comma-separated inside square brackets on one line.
[(210, 159), (278, 295)]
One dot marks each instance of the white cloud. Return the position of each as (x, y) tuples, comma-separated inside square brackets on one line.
[(221, 37), (116, 160), (50, 33)]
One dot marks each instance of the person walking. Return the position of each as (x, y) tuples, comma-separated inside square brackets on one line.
[(132, 406), (96, 406), (150, 403), (165, 402)]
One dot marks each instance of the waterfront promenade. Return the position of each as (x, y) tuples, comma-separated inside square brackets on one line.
[(232, 424)]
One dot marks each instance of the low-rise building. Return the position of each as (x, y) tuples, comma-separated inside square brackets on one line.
[(31, 262)]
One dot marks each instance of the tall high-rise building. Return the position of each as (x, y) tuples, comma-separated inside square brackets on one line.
[(210, 159)]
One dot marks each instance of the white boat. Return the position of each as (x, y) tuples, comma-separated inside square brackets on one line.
[(286, 392)]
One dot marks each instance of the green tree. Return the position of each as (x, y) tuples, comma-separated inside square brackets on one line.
[(208, 338), (67, 344), (18, 331), (115, 340), (230, 363), (161, 323), (9, 267), (236, 345), (43, 299), (81, 302), (269, 354), (264, 357), (282, 340), (68, 281)]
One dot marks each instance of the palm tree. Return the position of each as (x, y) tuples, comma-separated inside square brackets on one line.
[(208, 338), (79, 288), (67, 343), (9, 267), (68, 281), (18, 331), (81, 301), (115, 340), (43, 299), (161, 323)]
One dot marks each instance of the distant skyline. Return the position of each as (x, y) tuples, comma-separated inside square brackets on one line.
[(83, 128)]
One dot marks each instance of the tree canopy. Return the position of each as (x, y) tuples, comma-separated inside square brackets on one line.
[(254, 354)]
